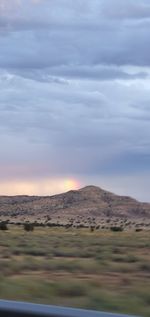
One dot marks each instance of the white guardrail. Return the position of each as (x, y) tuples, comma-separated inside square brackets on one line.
[(22, 309)]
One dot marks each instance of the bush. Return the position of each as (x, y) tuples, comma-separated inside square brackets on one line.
[(3, 225), (116, 229), (145, 267), (92, 229), (71, 289), (28, 226)]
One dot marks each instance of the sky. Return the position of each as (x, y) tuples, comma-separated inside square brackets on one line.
[(75, 96)]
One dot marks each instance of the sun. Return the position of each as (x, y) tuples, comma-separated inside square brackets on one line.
[(70, 184)]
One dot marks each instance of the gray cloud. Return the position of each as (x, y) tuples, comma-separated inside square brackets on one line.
[(82, 36), (74, 97), (126, 9)]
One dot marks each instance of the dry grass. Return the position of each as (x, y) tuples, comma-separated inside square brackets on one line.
[(101, 270)]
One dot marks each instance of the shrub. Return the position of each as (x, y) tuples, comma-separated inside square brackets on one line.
[(28, 226), (3, 225), (145, 267), (91, 229), (68, 225), (116, 229), (71, 289)]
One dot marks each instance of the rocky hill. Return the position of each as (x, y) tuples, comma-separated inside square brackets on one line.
[(88, 202)]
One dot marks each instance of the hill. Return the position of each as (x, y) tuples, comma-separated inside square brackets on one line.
[(90, 202)]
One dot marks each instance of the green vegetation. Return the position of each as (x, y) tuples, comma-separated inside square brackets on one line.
[(102, 270)]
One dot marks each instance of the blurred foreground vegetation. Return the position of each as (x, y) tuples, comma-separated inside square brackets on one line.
[(100, 270)]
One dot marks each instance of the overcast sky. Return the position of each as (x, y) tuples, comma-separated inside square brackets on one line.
[(75, 96)]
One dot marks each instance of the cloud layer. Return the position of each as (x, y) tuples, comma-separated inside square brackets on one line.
[(74, 97)]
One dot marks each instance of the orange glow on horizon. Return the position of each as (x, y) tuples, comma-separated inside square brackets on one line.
[(39, 187), (70, 184)]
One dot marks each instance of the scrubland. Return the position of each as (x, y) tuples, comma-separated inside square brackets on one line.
[(102, 270)]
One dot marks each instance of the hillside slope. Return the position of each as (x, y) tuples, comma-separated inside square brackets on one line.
[(90, 201)]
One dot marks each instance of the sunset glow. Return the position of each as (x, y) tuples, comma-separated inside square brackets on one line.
[(40, 187), (70, 184)]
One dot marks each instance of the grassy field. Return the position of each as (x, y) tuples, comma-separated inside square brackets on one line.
[(75, 267)]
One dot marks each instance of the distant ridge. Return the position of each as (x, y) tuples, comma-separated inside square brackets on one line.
[(90, 201)]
